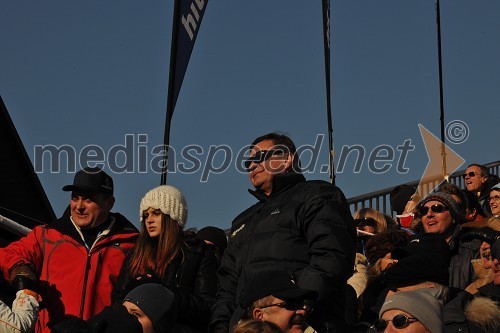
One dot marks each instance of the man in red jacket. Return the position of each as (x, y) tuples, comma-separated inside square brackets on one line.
[(77, 258)]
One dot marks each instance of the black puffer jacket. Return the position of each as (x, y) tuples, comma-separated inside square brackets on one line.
[(191, 277), (304, 227)]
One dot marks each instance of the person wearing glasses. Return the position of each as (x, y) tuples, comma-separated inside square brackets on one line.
[(441, 214), (494, 200), (478, 181), (275, 297), (415, 311), (304, 227)]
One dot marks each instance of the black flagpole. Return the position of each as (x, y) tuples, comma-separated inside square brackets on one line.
[(326, 39), (170, 96), (441, 105)]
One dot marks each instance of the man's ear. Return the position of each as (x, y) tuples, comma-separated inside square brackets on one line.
[(258, 314), (289, 161)]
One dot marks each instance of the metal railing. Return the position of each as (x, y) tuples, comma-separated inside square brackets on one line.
[(380, 200)]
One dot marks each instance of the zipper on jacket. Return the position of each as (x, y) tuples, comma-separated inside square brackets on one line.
[(84, 287)]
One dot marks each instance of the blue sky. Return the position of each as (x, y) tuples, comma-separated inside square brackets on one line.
[(90, 73)]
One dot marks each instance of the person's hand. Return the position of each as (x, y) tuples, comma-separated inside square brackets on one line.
[(23, 277)]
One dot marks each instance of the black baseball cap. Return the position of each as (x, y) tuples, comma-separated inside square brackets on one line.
[(93, 180), (278, 283)]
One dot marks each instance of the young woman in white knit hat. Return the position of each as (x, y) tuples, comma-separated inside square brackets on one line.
[(165, 254)]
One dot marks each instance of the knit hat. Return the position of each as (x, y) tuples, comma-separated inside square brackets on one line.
[(169, 200), (421, 304), (456, 210), (157, 303)]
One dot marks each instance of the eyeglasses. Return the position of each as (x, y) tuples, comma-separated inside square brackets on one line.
[(261, 156), (365, 222), (398, 321), (292, 306), (437, 208), (470, 174), (494, 198)]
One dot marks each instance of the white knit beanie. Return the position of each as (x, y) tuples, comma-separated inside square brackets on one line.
[(169, 200)]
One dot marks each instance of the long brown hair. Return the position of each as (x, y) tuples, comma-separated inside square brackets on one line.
[(156, 253)]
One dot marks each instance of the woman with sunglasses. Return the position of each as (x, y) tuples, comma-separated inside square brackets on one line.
[(415, 311), (167, 255)]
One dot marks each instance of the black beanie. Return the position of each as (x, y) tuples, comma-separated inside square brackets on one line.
[(115, 318), (158, 303)]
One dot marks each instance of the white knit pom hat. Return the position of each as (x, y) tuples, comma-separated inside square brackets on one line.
[(169, 200)]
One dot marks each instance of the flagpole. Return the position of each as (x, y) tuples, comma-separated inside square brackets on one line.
[(170, 93), (441, 103), (326, 40)]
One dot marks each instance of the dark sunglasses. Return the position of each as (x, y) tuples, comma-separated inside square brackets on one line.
[(470, 174), (365, 222), (261, 156), (437, 208), (292, 305), (399, 321)]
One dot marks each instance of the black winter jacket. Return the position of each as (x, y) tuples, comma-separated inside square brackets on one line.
[(303, 227), (191, 277)]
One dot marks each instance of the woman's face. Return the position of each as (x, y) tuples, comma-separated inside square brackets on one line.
[(434, 222), (152, 221)]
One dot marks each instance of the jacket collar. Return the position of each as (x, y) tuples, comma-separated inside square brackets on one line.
[(281, 183)]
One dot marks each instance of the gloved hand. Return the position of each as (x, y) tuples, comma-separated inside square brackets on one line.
[(23, 277), (485, 234)]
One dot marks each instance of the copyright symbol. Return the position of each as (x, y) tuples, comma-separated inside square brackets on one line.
[(457, 131)]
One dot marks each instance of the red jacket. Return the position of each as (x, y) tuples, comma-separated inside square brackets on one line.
[(74, 281)]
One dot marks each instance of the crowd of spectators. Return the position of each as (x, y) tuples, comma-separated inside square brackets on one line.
[(294, 262)]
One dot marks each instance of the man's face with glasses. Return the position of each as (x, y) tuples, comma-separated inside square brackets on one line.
[(288, 315), (265, 161), (473, 178)]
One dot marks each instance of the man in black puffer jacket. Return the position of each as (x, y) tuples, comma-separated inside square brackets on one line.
[(302, 227)]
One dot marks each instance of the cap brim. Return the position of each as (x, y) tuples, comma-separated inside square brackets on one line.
[(71, 188), (293, 294)]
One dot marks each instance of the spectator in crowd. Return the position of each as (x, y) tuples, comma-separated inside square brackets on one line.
[(154, 306), (77, 258), (165, 255), (416, 311), (478, 181), (473, 210), (494, 200), (441, 214), (482, 266), (24, 313), (275, 297), (297, 225), (216, 238), (370, 220), (256, 326)]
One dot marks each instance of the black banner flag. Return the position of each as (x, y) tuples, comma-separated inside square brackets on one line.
[(186, 24)]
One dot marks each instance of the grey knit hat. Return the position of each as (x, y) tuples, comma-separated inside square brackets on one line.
[(421, 304), (169, 200), (457, 212)]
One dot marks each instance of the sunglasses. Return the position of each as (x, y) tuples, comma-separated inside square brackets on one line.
[(365, 222), (261, 156), (437, 208), (470, 174), (291, 306), (399, 321)]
